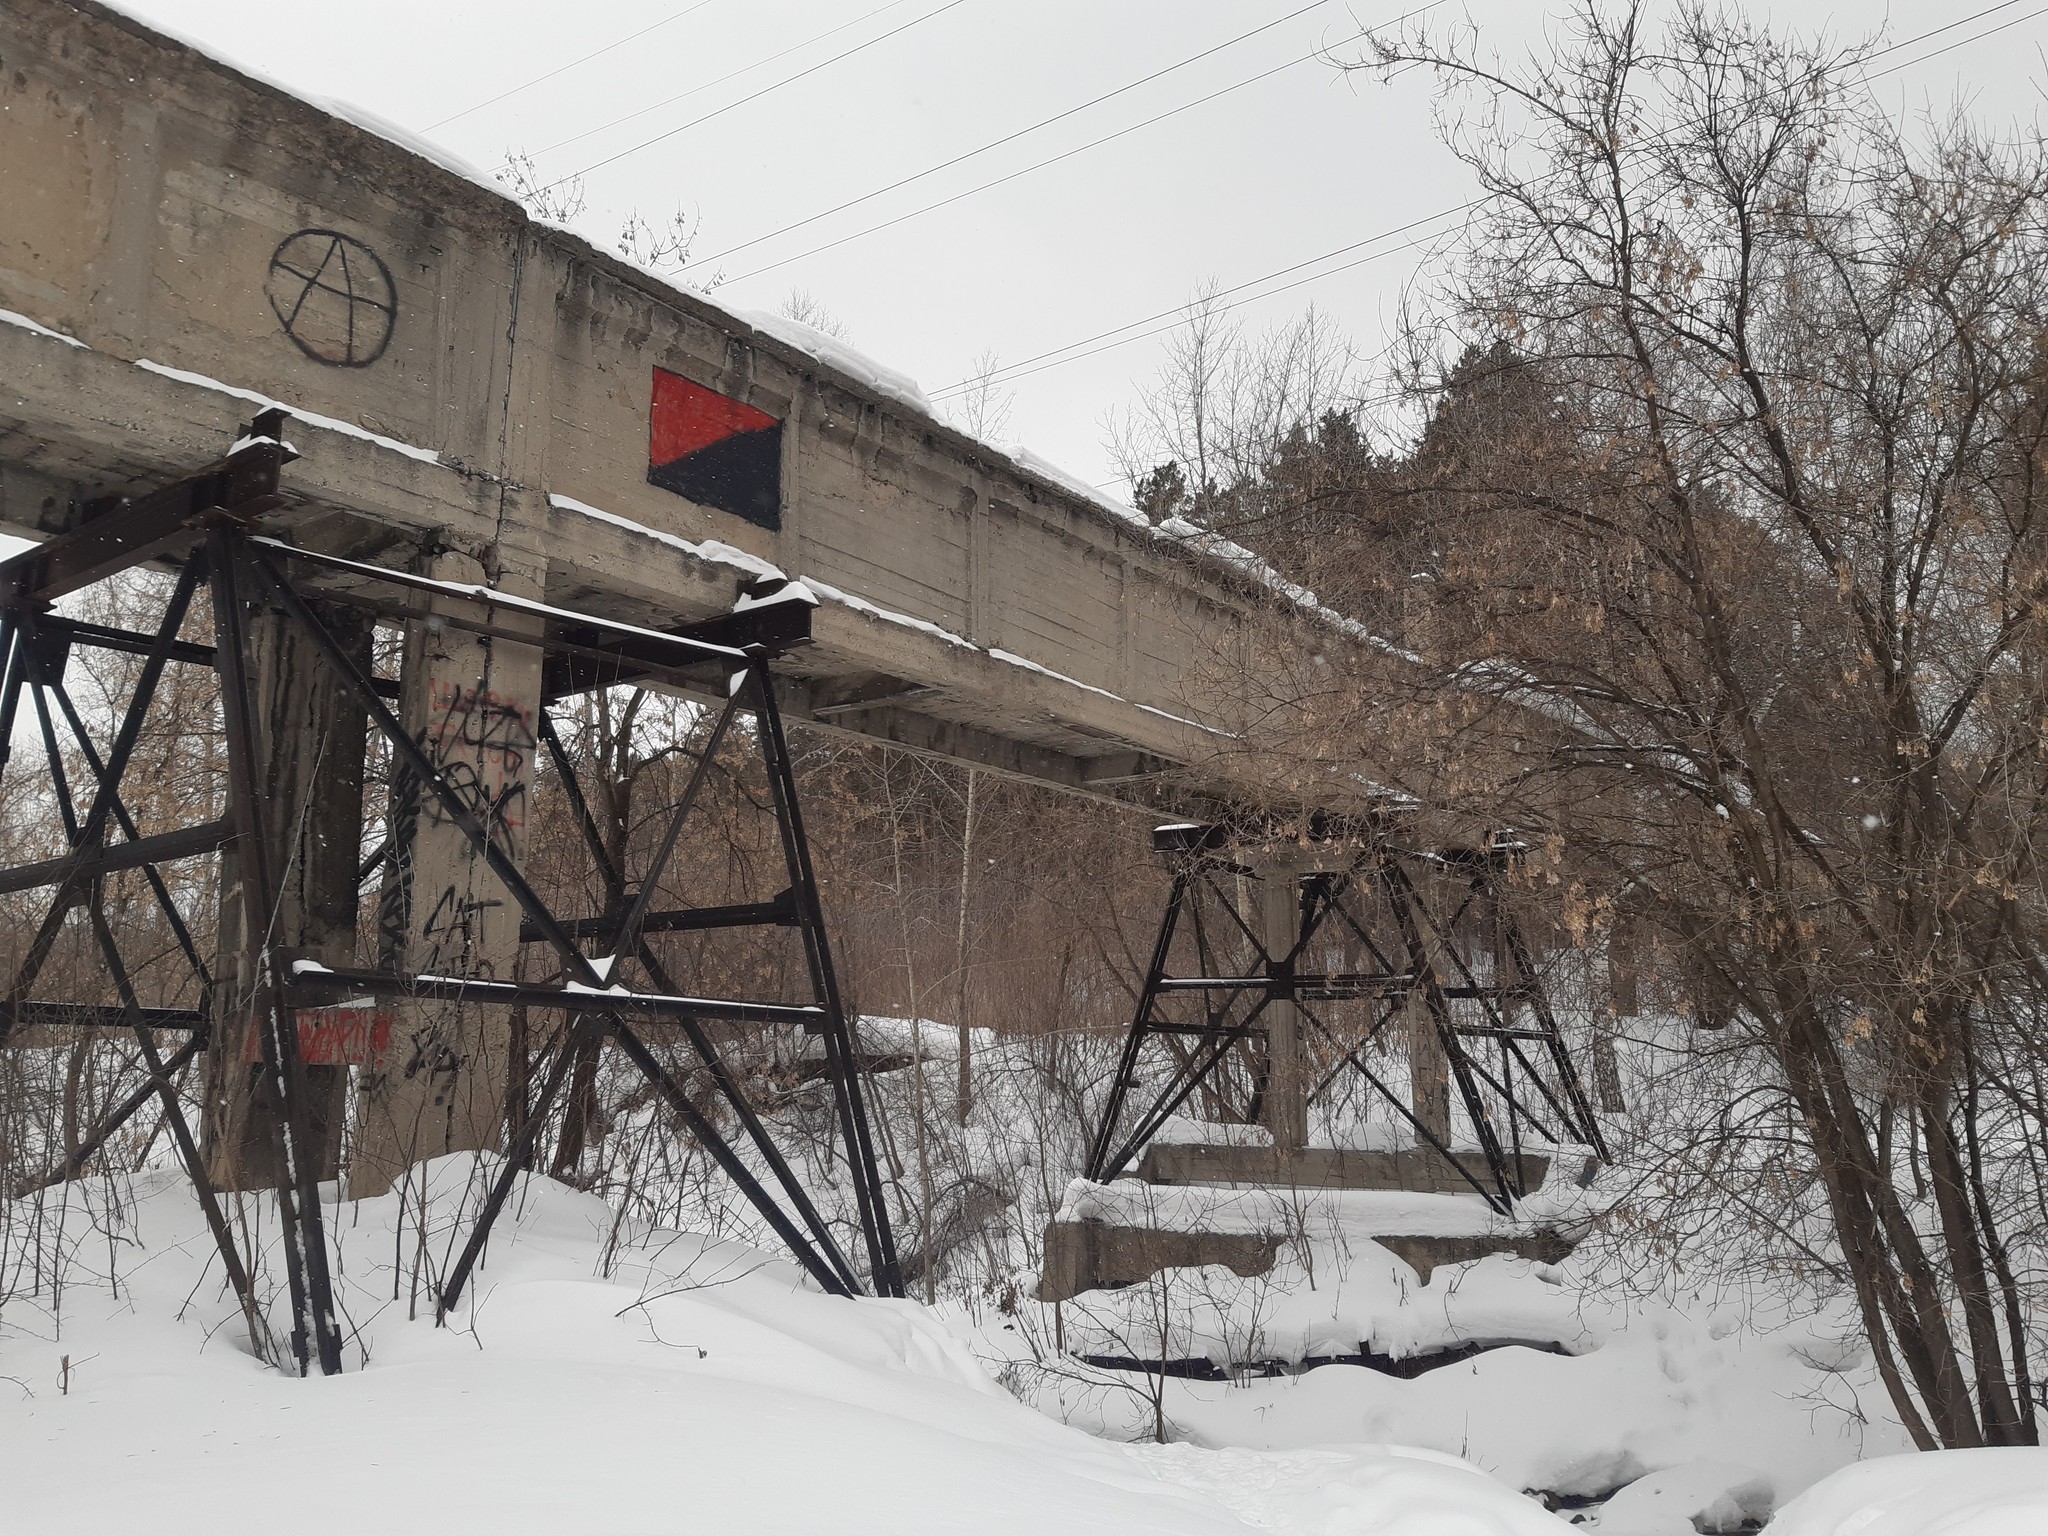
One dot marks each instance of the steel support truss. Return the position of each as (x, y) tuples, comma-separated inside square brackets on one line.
[(208, 528), (1200, 1023)]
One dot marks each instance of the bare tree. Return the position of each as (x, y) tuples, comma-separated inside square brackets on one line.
[(1222, 406), (806, 308), (983, 408), (1734, 471)]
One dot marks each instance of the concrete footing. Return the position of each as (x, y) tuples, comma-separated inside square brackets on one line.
[(1083, 1256), (1424, 1254), (1419, 1170), (1090, 1255), (1093, 1254)]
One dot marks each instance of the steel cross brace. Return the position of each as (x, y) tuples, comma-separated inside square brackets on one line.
[(591, 1014), (77, 878), (1421, 935), (202, 524)]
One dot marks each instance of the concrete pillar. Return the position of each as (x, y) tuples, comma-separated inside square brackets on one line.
[(473, 702), (1285, 1110), (309, 731), (1429, 1069), (1624, 969)]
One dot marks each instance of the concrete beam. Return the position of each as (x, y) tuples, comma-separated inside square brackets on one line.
[(1419, 1170), (514, 361)]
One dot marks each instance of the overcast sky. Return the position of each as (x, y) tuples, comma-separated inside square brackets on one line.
[(1270, 174)]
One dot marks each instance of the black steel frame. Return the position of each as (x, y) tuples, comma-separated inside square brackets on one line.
[(1497, 1100), (207, 526)]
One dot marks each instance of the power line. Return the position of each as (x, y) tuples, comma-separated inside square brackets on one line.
[(1020, 371), (1959, 42), (1063, 155), (1055, 357), (731, 74), (757, 95), (1044, 122), (1947, 26), (1039, 165), (565, 68), (1023, 366)]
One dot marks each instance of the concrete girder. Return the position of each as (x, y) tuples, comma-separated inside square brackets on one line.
[(1054, 633)]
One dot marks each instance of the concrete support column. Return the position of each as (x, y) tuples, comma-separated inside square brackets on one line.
[(1285, 1109), (473, 703), (309, 731), (1429, 1069)]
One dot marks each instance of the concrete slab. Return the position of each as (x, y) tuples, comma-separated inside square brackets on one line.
[(1090, 1255), (1427, 1254), (1421, 1170)]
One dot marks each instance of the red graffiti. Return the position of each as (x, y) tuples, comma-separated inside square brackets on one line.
[(341, 1035)]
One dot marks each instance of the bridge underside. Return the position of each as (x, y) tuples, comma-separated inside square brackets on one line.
[(81, 431), (480, 397)]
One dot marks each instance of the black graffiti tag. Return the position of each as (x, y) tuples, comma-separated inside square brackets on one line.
[(481, 744), (453, 933), (334, 297)]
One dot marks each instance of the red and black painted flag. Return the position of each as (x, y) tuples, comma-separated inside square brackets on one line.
[(715, 450)]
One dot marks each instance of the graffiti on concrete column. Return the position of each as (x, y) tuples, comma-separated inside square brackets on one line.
[(481, 743), (453, 935)]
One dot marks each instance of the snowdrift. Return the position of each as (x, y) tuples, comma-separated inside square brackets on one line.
[(602, 1379)]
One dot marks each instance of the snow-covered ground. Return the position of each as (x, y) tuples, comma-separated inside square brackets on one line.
[(617, 1378), (1548, 1384), (616, 1370), (606, 1381), (1940, 1493)]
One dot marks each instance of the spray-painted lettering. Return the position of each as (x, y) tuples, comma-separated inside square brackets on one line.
[(481, 743)]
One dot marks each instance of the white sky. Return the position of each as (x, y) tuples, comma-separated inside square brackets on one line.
[(1276, 172)]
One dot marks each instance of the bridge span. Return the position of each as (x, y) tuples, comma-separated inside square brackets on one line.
[(523, 443), (480, 396)]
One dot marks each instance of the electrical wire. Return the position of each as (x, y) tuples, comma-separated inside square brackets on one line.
[(1959, 42), (731, 74), (1055, 357), (1044, 122), (1020, 371), (560, 69), (1040, 165), (634, 149)]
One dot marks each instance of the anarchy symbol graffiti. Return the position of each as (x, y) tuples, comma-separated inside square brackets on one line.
[(334, 297)]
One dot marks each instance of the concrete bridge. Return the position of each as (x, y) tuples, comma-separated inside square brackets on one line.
[(483, 397), (477, 398)]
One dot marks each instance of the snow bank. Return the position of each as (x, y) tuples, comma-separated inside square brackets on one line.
[(600, 1379), (1616, 1396), (1370, 1488), (884, 1035), (1954, 1493), (1207, 1208), (1695, 1496)]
